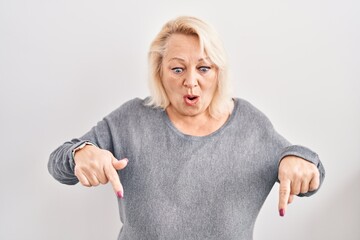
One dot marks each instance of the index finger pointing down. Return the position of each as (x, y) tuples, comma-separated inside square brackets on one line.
[(284, 194), (114, 180)]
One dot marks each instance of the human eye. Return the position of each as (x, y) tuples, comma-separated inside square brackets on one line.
[(204, 69), (177, 70)]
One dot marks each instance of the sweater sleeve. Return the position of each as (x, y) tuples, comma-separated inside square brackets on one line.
[(61, 163), (276, 147)]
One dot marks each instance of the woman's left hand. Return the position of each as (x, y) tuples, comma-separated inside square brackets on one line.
[(296, 176)]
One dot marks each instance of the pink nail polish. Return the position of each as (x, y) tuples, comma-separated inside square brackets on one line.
[(119, 194), (282, 212)]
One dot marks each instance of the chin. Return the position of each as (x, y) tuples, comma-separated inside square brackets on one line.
[(193, 112)]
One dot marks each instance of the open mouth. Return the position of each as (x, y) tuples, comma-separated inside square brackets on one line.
[(191, 99)]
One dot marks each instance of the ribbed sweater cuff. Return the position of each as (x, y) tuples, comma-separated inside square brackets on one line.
[(302, 152)]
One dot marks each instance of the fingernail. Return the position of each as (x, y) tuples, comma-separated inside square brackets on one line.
[(119, 194), (125, 159), (282, 212)]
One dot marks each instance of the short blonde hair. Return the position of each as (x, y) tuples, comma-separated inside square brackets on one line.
[(210, 42)]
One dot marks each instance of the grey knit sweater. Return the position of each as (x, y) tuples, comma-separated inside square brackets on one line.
[(178, 186)]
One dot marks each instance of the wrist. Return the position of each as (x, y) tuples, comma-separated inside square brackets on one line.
[(83, 145)]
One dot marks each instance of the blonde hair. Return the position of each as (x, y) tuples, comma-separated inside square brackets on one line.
[(209, 41)]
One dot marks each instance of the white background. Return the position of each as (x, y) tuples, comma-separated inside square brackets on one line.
[(66, 64)]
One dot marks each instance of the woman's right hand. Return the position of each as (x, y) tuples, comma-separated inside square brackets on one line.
[(94, 166)]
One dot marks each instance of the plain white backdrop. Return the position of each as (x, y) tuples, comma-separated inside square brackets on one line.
[(64, 65)]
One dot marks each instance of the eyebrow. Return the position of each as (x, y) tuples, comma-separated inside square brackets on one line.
[(183, 60)]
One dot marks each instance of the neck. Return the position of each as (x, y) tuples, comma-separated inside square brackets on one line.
[(198, 125)]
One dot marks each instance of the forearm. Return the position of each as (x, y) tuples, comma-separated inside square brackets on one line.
[(61, 165)]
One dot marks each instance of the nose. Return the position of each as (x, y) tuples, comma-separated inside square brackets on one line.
[(191, 80)]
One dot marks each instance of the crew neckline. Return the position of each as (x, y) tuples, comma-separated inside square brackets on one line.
[(192, 137)]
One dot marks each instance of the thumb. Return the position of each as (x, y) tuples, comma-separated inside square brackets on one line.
[(119, 164), (284, 195)]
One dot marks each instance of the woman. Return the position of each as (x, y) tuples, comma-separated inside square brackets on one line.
[(201, 163)]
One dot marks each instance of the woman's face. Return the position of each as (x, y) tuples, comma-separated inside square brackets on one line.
[(188, 76)]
